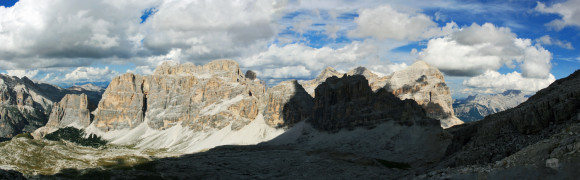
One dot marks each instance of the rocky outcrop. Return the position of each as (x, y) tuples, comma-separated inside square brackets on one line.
[(72, 110), (286, 104), (375, 81), (94, 93), (205, 97), (420, 82), (349, 118), (426, 85), (310, 85), (349, 102), (476, 107), (549, 111)]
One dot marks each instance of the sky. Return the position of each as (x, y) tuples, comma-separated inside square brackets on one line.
[(482, 46)]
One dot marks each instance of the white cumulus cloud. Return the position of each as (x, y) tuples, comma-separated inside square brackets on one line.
[(569, 11), (301, 61), (475, 49), (494, 82), (90, 74), (384, 22), (207, 30), (42, 33), (547, 40), (68, 33), (23, 73)]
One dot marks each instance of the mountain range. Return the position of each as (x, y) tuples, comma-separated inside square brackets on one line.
[(476, 107), (25, 105), (186, 121)]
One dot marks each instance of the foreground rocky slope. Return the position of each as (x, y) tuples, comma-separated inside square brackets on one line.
[(476, 107), (537, 135)]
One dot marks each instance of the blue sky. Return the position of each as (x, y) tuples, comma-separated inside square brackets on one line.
[(481, 46)]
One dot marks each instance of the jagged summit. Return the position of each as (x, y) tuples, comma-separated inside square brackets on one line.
[(426, 85), (420, 82), (358, 71), (326, 73)]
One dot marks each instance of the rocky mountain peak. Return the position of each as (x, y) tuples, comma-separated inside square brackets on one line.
[(184, 94), (426, 85), (72, 110), (358, 71), (420, 82), (326, 73), (349, 102)]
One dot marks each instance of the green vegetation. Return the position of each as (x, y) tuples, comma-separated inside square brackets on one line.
[(391, 164), (24, 135), (76, 136)]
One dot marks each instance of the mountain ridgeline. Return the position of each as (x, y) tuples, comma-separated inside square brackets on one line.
[(350, 125), (218, 95), (476, 107)]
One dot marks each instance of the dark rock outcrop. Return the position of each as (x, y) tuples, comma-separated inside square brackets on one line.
[(349, 102)]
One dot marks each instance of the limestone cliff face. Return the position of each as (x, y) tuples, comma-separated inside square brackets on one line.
[(122, 105), (349, 118), (419, 82), (286, 104), (349, 102), (72, 110), (200, 97), (426, 85)]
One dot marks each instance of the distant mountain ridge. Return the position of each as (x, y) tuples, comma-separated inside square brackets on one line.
[(476, 107)]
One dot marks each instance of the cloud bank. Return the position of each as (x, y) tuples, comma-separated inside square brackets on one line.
[(477, 49)]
